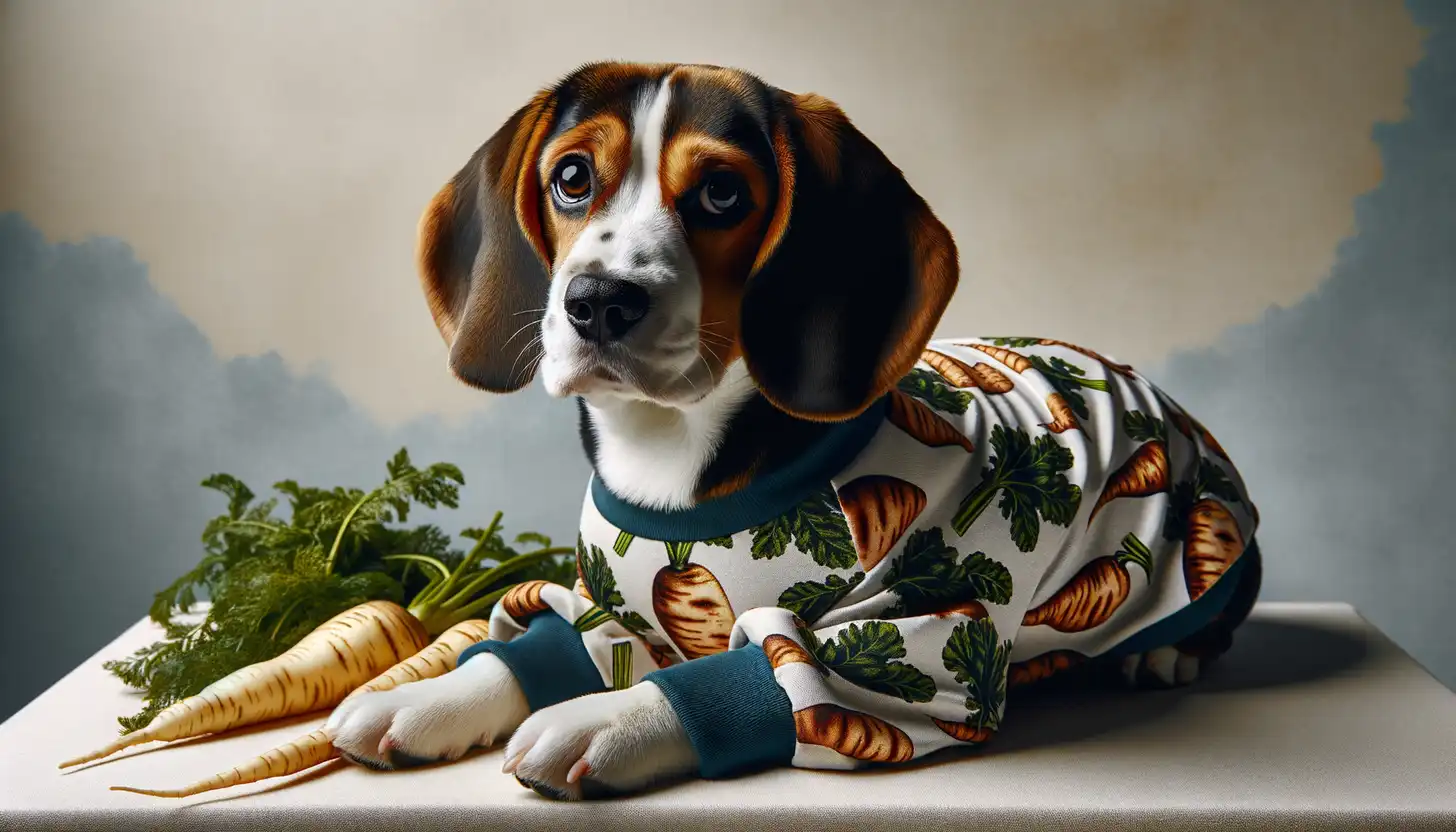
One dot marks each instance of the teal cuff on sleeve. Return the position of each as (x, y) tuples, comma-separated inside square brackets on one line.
[(735, 713), (549, 661)]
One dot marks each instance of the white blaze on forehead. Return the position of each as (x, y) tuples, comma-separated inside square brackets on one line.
[(649, 123), (636, 216), (637, 226)]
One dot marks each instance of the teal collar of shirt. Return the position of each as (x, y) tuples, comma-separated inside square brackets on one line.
[(770, 495)]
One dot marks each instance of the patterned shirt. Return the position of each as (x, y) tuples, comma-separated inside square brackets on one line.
[(1015, 507)]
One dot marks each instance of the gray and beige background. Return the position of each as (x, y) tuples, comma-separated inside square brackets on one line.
[(207, 213)]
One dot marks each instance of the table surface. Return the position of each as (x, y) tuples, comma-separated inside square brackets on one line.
[(1315, 720)]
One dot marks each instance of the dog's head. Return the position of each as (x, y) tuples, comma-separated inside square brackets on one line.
[(636, 229)]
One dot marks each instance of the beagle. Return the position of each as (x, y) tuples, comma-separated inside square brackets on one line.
[(814, 536)]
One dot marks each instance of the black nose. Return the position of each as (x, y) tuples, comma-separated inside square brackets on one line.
[(603, 309)]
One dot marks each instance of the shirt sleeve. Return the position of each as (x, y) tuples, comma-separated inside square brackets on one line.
[(559, 644), (886, 688)]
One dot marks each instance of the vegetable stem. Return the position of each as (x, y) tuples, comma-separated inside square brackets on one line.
[(494, 574), (479, 605), (349, 518), (975, 503), (472, 557), (1135, 551), (678, 552), (277, 628), (441, 606)]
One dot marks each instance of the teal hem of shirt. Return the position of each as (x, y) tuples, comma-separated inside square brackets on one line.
[(1190, 619), (768, 496), (736, 716), (549, 661)]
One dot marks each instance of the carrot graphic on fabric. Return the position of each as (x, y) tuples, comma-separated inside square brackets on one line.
[(879, 509), (1145, 472), (853, 734), (1040, 668), (524, 600), (969, 609), (782, 650), (979, 660), (1098, 589), (1030, 477), (1211, 537), (1213, 543), (1067, 380), (918, 420), (964, 375), (692, 607)]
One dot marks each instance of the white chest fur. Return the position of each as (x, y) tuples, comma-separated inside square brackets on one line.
[(652, 455)]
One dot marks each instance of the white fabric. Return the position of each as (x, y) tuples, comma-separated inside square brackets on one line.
[(946, 678), (1313, 721)]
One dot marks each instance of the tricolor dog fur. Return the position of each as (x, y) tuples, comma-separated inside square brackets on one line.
[(814, 536)]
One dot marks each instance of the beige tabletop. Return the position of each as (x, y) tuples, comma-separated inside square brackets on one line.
[(1314, 721)]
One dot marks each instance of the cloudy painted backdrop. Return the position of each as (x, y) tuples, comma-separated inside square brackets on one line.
[(205, 254)]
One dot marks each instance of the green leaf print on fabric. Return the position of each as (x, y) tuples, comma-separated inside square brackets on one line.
[(1142, 427), (1068, 379), (821, 531), (865, 655), (771, 539), (979, 661), (929, 573), (621, 665), (816, 526), (624, 540), (1209, 479), (811, 599), (601, 585), (927, 386), (1031, 480)]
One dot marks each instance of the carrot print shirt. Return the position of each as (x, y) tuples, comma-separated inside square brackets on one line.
[(1015, 507)]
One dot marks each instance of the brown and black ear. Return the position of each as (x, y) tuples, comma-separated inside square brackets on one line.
[(481, 257), (854, 273)]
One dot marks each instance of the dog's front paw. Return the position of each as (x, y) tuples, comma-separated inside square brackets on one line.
[(435, 719), (1161, 667), (601, 745)]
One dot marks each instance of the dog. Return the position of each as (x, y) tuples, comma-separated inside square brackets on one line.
[(813, 536)]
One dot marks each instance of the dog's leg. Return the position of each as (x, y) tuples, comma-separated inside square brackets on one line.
[(601, 745), (1179, 664), (477, 704)]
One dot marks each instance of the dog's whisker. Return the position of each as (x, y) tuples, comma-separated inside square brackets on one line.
[(528, 325), (522, 354)]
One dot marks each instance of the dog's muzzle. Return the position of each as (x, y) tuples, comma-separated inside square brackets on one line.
[(604, 309)]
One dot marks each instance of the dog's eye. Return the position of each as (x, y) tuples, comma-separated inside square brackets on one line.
[(721, 193), (572, 181)]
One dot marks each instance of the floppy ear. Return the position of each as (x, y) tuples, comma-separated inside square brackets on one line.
[(853, 274), (482, 259)]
